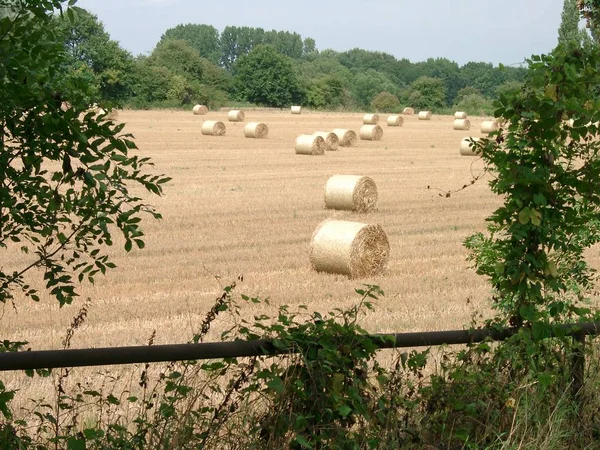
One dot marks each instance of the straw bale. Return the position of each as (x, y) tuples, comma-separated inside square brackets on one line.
[(466, 146), (351, 192), (370, 119), (200, 110), (236, 115), (460, 115), (371, 132), (408, 111), (349, 248), (309, 144), (256, 130), (213, 128), (487, 126), (425, 115), (296, 109), (347, 138), (395, 121), (331, 139), (461, 124)]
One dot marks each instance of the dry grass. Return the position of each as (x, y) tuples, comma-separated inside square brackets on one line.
[(239, 206)]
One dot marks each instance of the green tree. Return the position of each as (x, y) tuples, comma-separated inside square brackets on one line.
[(89, 46), (309, 47), (328, 91), (204, 39), (569, 32), (428, 93), (359, 61), (464, 92), (266, 77), (447, 71), (65, 175), (482, 76), (214, 76), (475, 104), (286, 43), (546, 173), (508, 86), (368, 84), (239, 41), (179, 57), (323, 65), (152, 83)]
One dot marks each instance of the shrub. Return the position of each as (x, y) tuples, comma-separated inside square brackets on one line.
[(385, 102), (475, 105)]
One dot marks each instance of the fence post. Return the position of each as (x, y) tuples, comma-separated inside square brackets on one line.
[(577, 364)]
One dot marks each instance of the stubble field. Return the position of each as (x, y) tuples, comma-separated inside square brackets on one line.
[(248, 207)]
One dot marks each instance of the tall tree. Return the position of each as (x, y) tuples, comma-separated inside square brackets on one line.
[(204, 39), (89, 46), (428, 93), (446, 70), (266, 77), (309, 47), (569, 31), (370, 83), (239, 41), (179, 57)]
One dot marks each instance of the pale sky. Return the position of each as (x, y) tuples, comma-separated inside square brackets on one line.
[(498, 31)]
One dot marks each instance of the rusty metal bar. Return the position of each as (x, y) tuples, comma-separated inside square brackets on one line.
[(49, 359)]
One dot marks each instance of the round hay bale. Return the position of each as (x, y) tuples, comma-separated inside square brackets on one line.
[(395, 121), (408, 111), (349, 248), (371, 133), (351, 193), (309, 144), (370, 119), (296, 109), (460, 115), (425, 115), (346, 138), (488, 126), (256, 130), (466, 146), (213, 128), (199, 110), (331, 140), (461, 124), (236, 115)]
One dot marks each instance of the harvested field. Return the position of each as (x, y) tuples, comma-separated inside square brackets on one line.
[(243, 206)]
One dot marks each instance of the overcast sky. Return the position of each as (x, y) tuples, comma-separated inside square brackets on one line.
[(498, 31)]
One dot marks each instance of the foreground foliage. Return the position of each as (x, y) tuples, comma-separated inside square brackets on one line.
[(334, 390)]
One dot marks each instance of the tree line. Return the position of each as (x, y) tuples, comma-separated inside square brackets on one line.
[(195, 63)]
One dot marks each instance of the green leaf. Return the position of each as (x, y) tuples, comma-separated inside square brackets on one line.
[(276, 384), (344, 410), (75, 443), (302, 441), (536, 217), (525, 216)]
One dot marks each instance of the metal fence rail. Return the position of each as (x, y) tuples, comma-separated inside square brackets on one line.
[(49, 359)]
